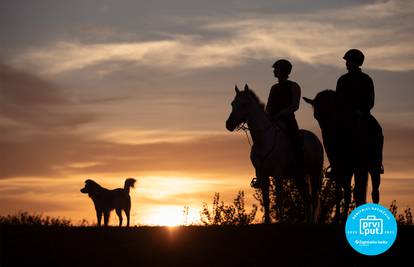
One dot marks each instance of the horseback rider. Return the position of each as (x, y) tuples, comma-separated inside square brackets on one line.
[(355, 89), (283, 101), (356, 97)]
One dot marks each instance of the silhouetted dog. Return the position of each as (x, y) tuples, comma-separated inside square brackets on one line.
[(106, 200)]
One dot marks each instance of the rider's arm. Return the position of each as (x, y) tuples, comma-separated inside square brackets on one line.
[(367, 97), (340, 93), (370, 95), (269, 105), (295, 90)]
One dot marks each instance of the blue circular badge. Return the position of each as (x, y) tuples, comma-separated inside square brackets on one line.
[(371, 229)]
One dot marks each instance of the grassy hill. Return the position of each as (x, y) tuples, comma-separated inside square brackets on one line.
[(253, 245)]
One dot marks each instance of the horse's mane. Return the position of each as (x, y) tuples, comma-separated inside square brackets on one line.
[(256, 99)]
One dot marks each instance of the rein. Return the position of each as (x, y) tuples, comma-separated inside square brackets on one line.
[(243, 126)]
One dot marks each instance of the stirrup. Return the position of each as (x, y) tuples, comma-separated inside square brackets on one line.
[(328, 172), (256, 183)]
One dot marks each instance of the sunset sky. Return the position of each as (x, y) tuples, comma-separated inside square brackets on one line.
[(107, 90)]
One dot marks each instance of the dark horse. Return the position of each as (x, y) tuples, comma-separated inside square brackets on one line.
[(349, 156)]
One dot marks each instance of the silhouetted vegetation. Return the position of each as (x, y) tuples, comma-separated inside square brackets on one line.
[(293, 206), (25, 218), (327, 200), (186, 212), (233, 214), (405, 218), (294, 211)]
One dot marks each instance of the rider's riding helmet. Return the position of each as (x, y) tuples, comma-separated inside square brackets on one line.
[(355, 56), (283, 66)]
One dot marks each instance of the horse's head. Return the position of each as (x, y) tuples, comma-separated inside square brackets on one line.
[(324, 105), (241, 107)]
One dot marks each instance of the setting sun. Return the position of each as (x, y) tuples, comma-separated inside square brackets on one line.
[(167, 216)]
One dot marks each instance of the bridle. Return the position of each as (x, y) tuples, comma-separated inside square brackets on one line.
[(243, 126)]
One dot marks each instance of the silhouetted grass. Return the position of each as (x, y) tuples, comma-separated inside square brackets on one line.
[(405, 218), (25, 218), (232, 214)]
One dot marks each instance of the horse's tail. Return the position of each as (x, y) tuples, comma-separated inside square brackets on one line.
[(313, 159)]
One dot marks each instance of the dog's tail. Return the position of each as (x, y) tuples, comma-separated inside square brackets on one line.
[(130, 182)]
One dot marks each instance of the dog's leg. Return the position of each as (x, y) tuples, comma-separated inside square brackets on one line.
[(99, 217), (127, 214), (106, 218), (119, 213)]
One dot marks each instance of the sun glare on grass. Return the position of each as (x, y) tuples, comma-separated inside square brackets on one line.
[(170, 200)]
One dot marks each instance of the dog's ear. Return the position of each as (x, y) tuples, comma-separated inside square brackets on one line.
[(91, 187), (91, 183)]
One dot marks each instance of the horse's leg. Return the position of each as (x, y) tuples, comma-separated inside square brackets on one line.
[(279, 199), (347, 195), (315, 182), (304, 189), (375, 180), (266, 200), (338, 198), (360, 190)]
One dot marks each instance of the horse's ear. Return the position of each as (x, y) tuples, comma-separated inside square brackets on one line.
[(236, 89), (246, 87), (308, 100)]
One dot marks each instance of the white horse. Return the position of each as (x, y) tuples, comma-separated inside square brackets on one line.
[(272, 153)]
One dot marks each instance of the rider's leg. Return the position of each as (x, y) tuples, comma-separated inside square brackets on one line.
[(295, 135)]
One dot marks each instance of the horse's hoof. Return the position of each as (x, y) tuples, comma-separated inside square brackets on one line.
[(256, 183)]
